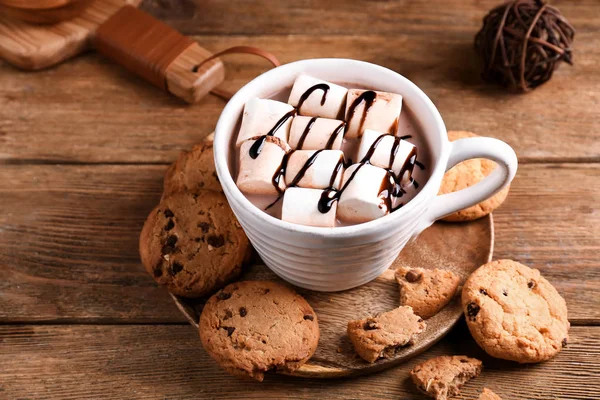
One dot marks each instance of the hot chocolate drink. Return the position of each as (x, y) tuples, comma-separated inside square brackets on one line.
[(330, 156)]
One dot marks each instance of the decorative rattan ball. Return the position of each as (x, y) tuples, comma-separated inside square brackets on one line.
[(522, 42)]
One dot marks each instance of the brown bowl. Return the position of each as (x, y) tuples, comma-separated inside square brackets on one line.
[(43, 11)]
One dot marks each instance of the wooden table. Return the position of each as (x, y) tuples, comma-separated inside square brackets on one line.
[(83, 148)]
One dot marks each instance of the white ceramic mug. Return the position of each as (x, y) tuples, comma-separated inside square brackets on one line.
[(333, 259)]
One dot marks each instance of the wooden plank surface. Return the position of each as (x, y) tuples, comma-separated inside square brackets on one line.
[(100, 113), (70, 233), (341, 17), (168, 362)]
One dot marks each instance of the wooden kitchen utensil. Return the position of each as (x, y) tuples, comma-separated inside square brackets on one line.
[(117, 29)]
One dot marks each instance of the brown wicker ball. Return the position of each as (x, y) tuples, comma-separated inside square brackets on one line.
[(522, 42)]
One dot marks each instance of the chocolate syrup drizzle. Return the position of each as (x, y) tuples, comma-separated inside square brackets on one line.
[(390, 187), (334, 136), (319, 86), (368, 97), (305, 133), (311, 160), (260, 142), (330, 142)]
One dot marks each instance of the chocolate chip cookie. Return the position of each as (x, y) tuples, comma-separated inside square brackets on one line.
[(194, 170), (193, 244), (383, 335), (252, 327), (426, 291), (487, 394), (514, 313), (442, 377), (468, 173)]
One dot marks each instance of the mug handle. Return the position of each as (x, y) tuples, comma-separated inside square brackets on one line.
[(465, 149)]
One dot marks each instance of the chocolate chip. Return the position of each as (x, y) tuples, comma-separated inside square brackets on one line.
[(483, 292), (170, 225), (168, 213), (472, 311), (215, 241), (176, 268), (369, 326), (223, 295), (420, 320), (504, 292), (171, 240), (157, 272), (204, 226), (412, 276), (229, 330), (228, 314), (309, 317), (462, 360), (531, 284), (199, 239), (243, 312), (564, 342), (169, 246), (168, 249)]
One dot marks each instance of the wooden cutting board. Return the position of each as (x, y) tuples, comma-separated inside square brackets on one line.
[(34, 47), (460, 247), (189, 71)]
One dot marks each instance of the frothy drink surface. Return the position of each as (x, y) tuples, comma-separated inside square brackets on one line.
[(408, 128)]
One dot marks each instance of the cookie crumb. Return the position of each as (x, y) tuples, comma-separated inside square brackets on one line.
[(487, 394), (442, 377)]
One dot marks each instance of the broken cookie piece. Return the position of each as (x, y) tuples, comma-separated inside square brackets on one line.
[(442, 377), (383, 335), (426, 291)]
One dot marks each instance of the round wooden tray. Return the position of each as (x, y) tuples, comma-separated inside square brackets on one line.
[(460, 247)]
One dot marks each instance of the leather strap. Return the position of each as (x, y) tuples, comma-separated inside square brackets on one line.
[(141, 43), (224, 94)]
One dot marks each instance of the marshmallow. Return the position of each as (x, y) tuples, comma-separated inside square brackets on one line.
[(260, 116), (256, 175), (301, 206), (360, 200), (327, 164), (320, 132), (319, 103), (404, 160), (382, 114)]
